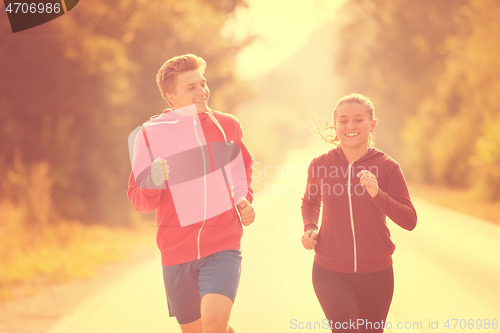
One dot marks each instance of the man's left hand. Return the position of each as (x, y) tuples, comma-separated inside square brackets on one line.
[(246, 211)]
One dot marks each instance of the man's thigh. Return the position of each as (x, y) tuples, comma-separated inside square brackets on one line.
[(186, 284), (183, 296), (220, 274)]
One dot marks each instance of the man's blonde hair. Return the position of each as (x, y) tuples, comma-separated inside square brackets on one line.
[(167, 74)]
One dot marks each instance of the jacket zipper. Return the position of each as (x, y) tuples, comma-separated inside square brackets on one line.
[(352, 219), (204, 188)]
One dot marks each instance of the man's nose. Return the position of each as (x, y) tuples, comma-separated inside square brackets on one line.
[(201, 90)]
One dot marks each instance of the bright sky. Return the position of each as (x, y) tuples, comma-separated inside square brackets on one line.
[(284, 27)]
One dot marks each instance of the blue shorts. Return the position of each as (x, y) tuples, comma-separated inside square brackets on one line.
[(186, 284)]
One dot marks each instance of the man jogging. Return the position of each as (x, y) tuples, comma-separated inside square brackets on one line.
[(190, 165)]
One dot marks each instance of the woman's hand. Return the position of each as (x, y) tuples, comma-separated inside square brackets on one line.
[(370, 182), (309, 239)]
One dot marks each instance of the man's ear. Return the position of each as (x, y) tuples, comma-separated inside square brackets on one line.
[(170, 98)]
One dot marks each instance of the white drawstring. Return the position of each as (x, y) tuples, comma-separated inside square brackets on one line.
[(216, 122), (187, 113)]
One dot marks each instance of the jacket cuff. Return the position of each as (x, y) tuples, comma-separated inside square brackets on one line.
[(147, 184), (237, 200), (249, 197), (380, 199), (310, 226)]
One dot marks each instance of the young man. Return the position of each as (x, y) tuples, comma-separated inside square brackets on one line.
[(190, 165)]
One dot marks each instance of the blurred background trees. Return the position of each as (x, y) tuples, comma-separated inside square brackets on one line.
[(431, 68), (72, 90)]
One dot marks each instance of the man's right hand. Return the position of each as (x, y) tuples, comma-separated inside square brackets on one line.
[(159, 171)]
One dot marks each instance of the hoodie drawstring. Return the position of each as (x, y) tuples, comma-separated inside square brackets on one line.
[(216, 122)]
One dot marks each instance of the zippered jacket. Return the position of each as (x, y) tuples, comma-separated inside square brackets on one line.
[(353, 236), (210, 172)]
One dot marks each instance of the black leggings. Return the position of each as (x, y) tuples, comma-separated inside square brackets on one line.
[(357, 302)]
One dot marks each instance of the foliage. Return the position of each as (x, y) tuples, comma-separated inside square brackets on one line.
[(37, 254), (390, 52), (463, 139), (432, 69), (72, 90)]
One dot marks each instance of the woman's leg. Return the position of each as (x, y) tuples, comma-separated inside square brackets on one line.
[(337, 297), (374, 292)]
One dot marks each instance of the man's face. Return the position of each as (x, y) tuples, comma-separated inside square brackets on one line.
[(191, 88)]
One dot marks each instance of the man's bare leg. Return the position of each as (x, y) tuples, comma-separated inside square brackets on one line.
[(215, 313), (194, 327)]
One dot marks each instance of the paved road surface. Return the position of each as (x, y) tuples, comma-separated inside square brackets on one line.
[(447, 268)]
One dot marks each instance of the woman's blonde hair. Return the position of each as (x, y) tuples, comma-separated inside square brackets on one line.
[(328, 132)]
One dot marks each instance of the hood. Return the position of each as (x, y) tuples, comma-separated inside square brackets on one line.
[(337, 153), (185, 114), (172, 116)]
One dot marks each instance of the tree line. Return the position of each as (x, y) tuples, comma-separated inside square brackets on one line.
[(73, 89), (431, 69)]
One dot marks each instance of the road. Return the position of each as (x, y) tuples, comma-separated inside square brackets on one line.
[(447, 268)]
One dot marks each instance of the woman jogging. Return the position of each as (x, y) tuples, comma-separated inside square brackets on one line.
[(358, 186)]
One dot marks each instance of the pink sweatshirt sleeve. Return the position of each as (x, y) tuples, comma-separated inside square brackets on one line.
[(143, 194), (144, 198), (242, 183), (396, 202)]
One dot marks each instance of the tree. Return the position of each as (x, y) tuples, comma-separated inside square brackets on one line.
[(69, 97), (458, 123), (391, 51)]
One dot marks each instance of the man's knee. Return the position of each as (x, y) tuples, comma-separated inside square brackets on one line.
[(216, 323), (194, 327), (216, 327), (215, 313)]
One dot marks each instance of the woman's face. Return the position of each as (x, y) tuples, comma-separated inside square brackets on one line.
[(353, 124)]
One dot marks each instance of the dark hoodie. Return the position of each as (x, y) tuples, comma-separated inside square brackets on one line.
[(353, 236)]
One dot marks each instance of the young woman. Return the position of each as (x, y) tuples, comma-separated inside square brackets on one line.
[(358, 186)]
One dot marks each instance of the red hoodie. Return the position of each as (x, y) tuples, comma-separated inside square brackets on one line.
[(179, 244), (353, 236)]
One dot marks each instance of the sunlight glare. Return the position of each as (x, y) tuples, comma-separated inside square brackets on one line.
[(282, 27)]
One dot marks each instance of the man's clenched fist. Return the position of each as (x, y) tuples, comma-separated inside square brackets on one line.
[(159, 171), (246, 211)]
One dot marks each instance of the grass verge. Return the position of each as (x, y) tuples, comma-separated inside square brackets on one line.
[(463, 201), (32, 256)]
